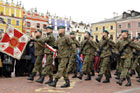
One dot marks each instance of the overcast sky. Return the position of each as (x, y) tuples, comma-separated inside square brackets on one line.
[(88, 11)]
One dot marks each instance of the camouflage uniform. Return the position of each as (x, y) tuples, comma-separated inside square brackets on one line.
[(88, 47), (50, 40), (126, 58), (72, 63), (39, 53), (65, 46), (105, 56)]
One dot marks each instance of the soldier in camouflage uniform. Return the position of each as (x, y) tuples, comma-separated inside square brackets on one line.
[(88, 47), (72, 63), (64, 45), (105, 46), (50, 40), (92, 59), (118, 67), (39, 53), (136, 60), (125, 46)]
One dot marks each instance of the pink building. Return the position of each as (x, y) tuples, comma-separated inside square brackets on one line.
[(130, 22)]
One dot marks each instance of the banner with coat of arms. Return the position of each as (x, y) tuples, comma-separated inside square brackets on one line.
[(13, 42)]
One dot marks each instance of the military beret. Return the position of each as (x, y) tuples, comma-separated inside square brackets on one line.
[(134, 38), (88, 33), (72, 33), (124, 31), (49, 27), (61, 27), (105, 31), (38, 31)]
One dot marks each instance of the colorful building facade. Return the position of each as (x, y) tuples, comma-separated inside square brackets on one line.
[(98, 28), (12, 14), (34, 21), (79, 29), (131, 22), (56, 21)]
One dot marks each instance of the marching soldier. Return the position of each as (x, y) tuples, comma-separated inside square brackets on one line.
[(104, 53), (64, 45), (72, 63), (92, 59), (125, 46), (39, 53), (50, 40), (88, 47)]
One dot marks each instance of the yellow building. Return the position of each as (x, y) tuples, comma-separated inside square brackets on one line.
[(111, 26), (11, 14)]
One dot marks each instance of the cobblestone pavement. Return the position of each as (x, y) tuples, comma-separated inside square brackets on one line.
[(21, 85)]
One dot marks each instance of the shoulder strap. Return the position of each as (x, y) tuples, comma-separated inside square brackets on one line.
[(124, 48), (101, 49)]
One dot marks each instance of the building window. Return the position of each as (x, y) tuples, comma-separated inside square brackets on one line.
[(96, 28), (111, 37), (111, 27), (103, 28), (1, 35), (138, 35), (28, 24), (2, 20), (28, 33), (128, 25), (120, 26), (1, 31), (12, 15), (9, 21), (79, 38), (138, 24), (17, 23), (44, 26), (1, 13), (38, 25)]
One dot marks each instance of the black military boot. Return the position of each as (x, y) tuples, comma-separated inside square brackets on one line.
[(75, 75), (99, 78), (132, 72), (116, 73), (138, 75), (120, 81), (41, 79), (53, 84), (138, 80), (118, 76), (50, 80), (31, 77), (88, 77), (93, 73), (107, 80), (80, 76), (67, 84), (128, 82)]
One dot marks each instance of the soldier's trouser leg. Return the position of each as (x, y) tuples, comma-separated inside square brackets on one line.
[(104, 66), (48, 69), (38, 64), (125, 68), (71, 64), (86, 64), (92, 63), (135, 64), (62, 69)]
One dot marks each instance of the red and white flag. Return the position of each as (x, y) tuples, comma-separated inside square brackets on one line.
[(13, 42)]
